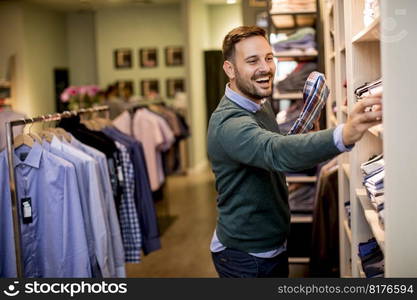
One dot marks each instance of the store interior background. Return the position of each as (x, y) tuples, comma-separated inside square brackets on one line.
[(41, 36)]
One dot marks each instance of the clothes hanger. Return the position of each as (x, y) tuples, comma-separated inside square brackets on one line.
[(63, 133), (23, 139), (34, 135), (45, 133)]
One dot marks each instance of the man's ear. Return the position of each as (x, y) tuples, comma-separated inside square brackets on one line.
[(229, 69)]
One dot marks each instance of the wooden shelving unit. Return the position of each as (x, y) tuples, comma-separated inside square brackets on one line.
[(365, 54), (289, 96), (371, 216), (301, 179), (298, 219)]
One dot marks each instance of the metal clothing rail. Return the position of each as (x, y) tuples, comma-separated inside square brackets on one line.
[(12, 177)]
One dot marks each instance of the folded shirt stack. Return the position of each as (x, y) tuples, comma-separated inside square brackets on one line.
[(301, 198), (373, 171), (280, 6), (369, 88), (370, 12), (372, 259), (302, 42), (294, 82)]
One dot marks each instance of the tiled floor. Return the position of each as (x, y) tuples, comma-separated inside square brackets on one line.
[(189, 210), (187, 218)]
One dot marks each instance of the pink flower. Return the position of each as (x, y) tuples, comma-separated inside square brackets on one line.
[(65, 97), (69, 92), (92, 90), (83, 90)]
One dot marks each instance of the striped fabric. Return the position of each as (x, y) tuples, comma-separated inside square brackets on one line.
[(315, 95)]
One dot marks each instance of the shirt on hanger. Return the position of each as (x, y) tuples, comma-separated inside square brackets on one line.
[(143, 196), (116, 257), (129, 221), (54, 240)]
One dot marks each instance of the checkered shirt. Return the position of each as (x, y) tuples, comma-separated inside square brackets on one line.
[(315, 95), (129, 219)]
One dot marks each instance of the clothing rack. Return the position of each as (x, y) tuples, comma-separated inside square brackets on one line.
[(12, 177)]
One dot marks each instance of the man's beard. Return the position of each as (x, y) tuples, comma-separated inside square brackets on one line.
[(248, 88)]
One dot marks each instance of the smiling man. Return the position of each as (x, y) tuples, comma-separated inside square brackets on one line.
[(249, 155)]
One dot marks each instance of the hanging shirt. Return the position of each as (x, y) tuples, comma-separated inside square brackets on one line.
[(143, 197), (91, 203), (116, 255), (129, 221), (54, 240), (155, 136)]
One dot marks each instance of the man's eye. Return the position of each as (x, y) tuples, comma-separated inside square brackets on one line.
[(269, 58), (252, 61)]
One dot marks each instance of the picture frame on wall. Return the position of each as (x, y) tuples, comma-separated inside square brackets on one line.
[(125, 85), (174, 56), (122, 58), (257, 3), (148, 57), (174, 85), (149, 88)]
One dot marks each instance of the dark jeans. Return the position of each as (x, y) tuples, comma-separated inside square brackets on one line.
[(238, 264)]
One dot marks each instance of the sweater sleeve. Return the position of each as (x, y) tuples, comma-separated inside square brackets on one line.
[(245, 142)]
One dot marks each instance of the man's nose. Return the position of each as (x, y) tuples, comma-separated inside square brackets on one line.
[(264, 67)]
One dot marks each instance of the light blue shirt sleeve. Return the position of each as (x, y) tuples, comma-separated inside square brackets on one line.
[(338, 139)]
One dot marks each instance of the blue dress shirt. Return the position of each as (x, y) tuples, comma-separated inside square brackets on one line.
[(116, 254), (54, 244), (91, 204)]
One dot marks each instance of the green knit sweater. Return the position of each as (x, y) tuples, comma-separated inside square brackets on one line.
[(248, 155)]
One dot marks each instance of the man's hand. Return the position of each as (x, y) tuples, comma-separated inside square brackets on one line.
[(360, 120)]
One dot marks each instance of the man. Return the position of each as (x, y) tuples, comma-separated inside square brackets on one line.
[(249, 155)]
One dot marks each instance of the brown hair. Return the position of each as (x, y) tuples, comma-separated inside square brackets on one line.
[(236, 35)]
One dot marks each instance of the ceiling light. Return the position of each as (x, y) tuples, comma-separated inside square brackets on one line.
[(231, 1)]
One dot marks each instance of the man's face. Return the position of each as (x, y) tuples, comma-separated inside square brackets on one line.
[(254, 68)]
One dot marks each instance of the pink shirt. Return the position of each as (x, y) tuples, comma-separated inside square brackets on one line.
[(155, 135)]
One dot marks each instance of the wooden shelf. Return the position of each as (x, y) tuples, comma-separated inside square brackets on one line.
[(291, 54), (344, 109), (377, 131), (290, 96), (330, 8), (292, 13), (360, 269), (298, 260), (346, 170), (371, 216), (333, 120), (348, 231), (301, 179), (333, 55), (301, 218), (369, 34), (343, 48)]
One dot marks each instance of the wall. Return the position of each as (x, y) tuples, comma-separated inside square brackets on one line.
[(136, 27), (11, 37), (197, 37), (44, 34), (81, 43), (37, 37), (222, 19)]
